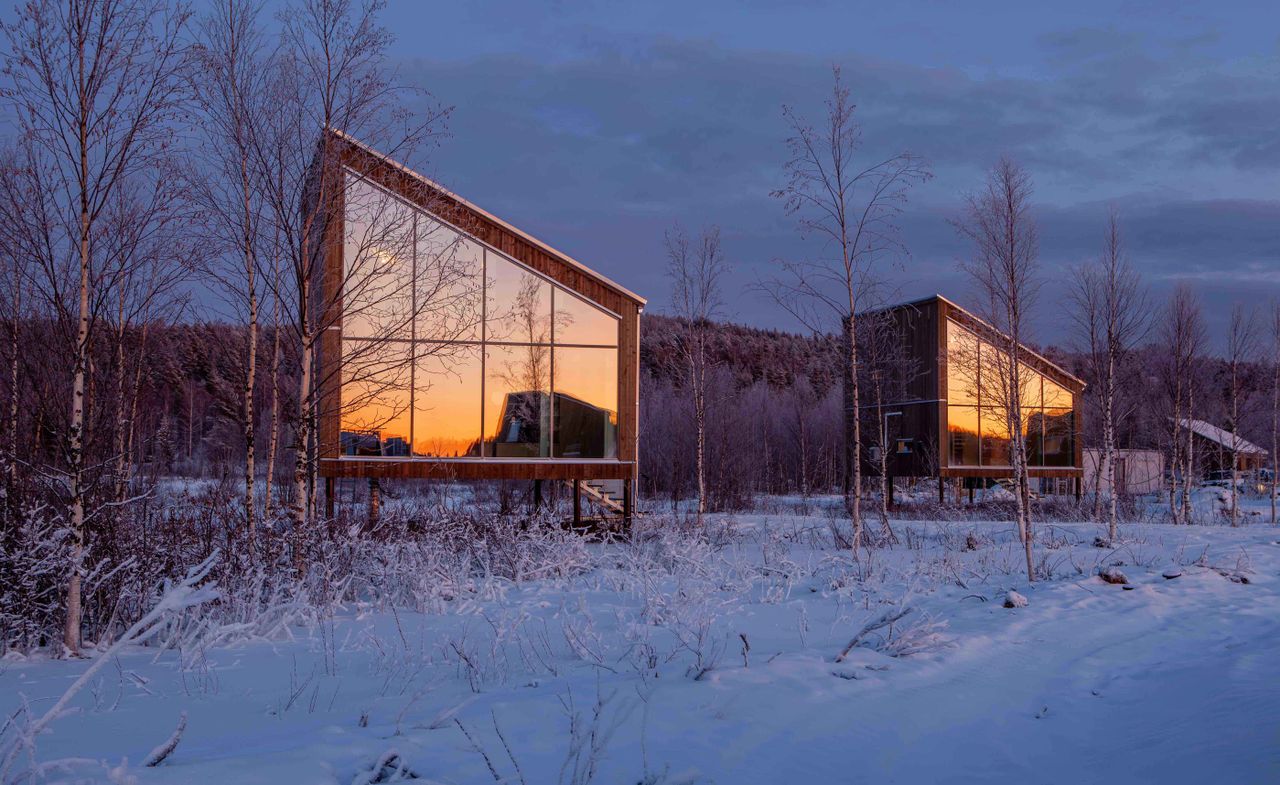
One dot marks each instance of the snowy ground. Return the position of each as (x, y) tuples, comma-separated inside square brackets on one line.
[(1174, 680)]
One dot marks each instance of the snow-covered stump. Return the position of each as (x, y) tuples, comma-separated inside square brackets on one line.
[(1113, 575), (1013, 599)]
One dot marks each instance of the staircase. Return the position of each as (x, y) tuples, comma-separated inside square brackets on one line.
[(606, 494)]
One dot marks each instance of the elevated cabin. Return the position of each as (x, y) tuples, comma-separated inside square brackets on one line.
[(945, 414), (454, 345)]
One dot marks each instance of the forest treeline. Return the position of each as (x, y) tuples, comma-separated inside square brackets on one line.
[(775, 424)]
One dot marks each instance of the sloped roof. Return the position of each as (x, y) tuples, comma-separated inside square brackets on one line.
[(445, 192), (1221, 436), (979, 320)]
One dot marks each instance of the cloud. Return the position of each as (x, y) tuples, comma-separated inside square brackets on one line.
[(601, 149)]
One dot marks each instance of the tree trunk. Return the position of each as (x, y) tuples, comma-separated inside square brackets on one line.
[(75, 436)]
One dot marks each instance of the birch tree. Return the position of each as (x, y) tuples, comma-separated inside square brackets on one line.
[(94, 88), (330, 75), (1241, 349), (1110, 315), (228, 83), (696, 275), (852, 206), (1184, 335), (1004, 263), (1275, 407)]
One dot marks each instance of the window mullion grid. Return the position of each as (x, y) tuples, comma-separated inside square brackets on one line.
[(413, 333)]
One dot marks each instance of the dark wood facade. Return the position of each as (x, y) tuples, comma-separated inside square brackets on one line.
[(496, 235), (920, 415)]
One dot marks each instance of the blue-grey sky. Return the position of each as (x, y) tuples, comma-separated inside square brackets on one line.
[(595, 125)]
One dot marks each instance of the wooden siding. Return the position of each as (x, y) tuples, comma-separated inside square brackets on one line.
[(421, 468)]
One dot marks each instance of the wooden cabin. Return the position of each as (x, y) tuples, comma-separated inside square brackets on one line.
[(945, 415), (453, 345)]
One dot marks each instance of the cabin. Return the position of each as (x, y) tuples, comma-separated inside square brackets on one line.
[(944, 414), (1213, 448), (1137, 471), (453, 345)]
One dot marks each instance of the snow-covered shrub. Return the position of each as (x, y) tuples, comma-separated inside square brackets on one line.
[(33, 569)]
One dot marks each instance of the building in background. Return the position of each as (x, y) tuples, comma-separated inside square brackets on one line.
[(1138, 472), (946, 414)]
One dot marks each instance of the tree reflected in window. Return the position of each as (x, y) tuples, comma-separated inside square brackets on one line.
[(447, 346)]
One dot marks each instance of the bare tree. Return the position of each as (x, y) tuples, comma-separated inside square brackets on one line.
[(1275, 407), (696, 277), (330, 77), (1242, 346), (1184, 335), (853, 207), (228, 81), (1110, 314), (94, 85), (887, 369), (997, 220)]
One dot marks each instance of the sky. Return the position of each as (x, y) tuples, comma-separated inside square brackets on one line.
[(595, 126)]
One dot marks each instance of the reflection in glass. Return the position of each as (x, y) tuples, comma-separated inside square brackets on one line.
[(995, 439), (450, 271), (1059, 437), (1029, 383), (962, 428), (517, 400), (446, 401), (578, 322), (962, 365), (377, 264), (1056, 396), (375, 415), (1033, 435), (518, 303), (586, 401)]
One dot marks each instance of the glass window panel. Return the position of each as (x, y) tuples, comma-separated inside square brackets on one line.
[(995, 373), (1059, 437), (1029, 381), (962, 365), (375, 394), (995, 438), (517, 401), (446, 401), (518, 303), (962, 429), (580, 322), (586, 403), (1033, 433), (1056, 396), (377, 287), (449, 269)]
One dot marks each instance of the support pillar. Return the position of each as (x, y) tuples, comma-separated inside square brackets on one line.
[(628, 493), (537, 495), (890, 487), (577, 502), (375, 501), (329, 495), (971, 493), (942, 489), (1079, 487)]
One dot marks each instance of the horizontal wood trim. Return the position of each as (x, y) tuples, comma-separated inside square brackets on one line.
[(420, 468), (996, 472)]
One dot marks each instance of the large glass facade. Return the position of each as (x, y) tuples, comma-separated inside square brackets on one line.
[(453, 350), (977, 417)]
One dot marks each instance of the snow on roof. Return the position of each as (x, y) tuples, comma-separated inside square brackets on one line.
[(1223, 437)]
